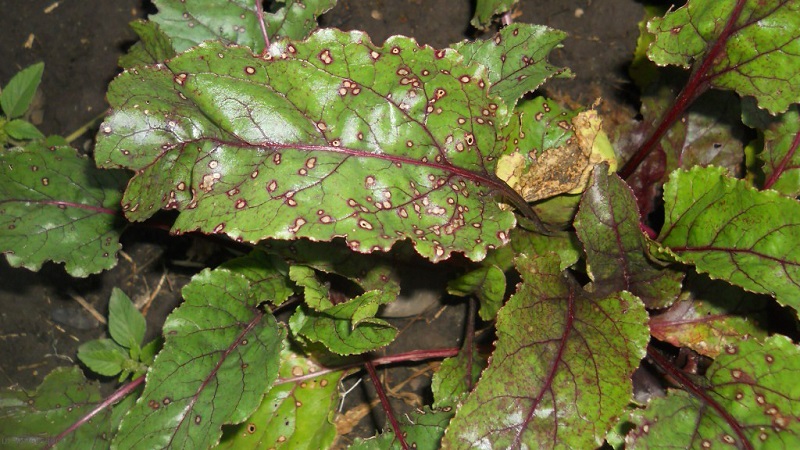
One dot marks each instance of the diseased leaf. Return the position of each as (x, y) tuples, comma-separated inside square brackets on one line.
[(424, 430), (560, 374), (749, 46), (486, 9), (283, 146), (755, 399), (565, 244), (780, 157), (456, 377), (190, 22), (515, 59), (23, 130), (549, 150), (33, 420), (154, 45), (711, 315), (347, 328), (125, 323), (617, 257), (55, 206), (18, 93), (734, 232), (220, 356), (488, 284), (293, 414)]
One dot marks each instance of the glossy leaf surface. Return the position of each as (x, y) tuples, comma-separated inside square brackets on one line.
[(751, 401), (560, 374), (617, 257), (328, 137), (220, 356), (190, 22), (754, 46), (293, 414), (55, 206), (32, 420), (731, 231), (515, 59)]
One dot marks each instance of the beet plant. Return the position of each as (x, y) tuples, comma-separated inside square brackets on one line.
[(647, 308)]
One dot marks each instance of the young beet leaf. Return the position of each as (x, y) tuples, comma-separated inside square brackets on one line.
[(332, 136)]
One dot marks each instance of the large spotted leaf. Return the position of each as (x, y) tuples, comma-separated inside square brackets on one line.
[(189, 22), (560, 374), (749, 400), (328, 137)]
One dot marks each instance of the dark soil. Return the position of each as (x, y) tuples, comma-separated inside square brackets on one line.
[(41, 323)]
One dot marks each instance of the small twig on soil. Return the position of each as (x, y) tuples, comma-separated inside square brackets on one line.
[(146, 306), (81, 301)]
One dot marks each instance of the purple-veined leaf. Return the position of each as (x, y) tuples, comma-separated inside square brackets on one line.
[(781, 141), (190, 22), (734, 232), (293, 414), (485, 10), (751, 400), (710, 315), (749, 46), (515, 59), (220, 356), (328, 137), (550, 150), (56, 206), (423, 430), (617, 257), (32, 420), (560, 374)]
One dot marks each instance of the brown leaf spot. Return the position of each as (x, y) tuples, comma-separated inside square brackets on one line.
[(374, 55), (249, 70), (277, 159), (325, 57), (364, 224), (395, 50), (219, 227), (299, 222), (180, 78), (181, 186), (464, 79), (197, 420), (321, 126), (241, 203), (251, 428), (272, 185)]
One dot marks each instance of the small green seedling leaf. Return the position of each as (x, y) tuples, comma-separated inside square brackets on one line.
[(190, 22), (18, 93), (423, 430), (278, 146), (617, 256), (781, 155), (32, 420), (560, 374), (753, 45), (56, 206), (295, 413), (753, 387), (103, 356), (23, 130), (516, 59), (154, 45), (220, 356), (485, 10), (125, 323), (734, 232)]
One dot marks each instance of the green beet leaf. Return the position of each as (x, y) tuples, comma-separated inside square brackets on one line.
[(55, 206), (780, 156), (710, 315), (220, 356), (32, 420), (485, 10), (190, 22), (560, 374), (516, 59), (347, 328), (423, 430), (749, 46), (295, 412), (616, 249), (154, 46), (268, 275), (734, 232), (751, 400), (18, 93), (329, 137)]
